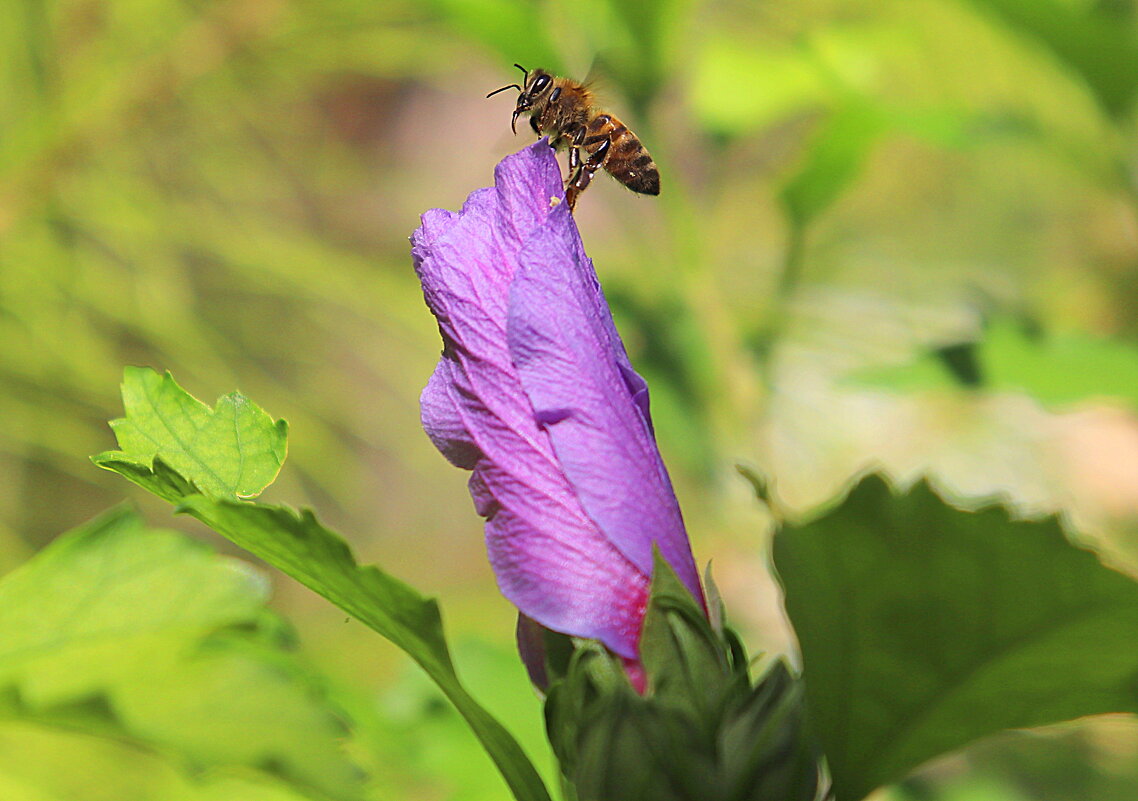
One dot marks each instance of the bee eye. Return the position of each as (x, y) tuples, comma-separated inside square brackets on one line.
[(540, 84)]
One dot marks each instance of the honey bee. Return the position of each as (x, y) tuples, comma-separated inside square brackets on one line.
[(563, 109)]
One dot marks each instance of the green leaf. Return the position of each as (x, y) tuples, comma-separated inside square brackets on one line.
[(133, 632), (234, 450), (1098, 47), (298, 545), (923, 627), (1055, 368)]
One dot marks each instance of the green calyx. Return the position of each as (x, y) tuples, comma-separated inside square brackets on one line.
[(701, 730)]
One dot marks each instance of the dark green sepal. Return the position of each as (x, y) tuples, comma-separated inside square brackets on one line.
[(613, 743), (591, 685), (687, 663), (700, 730), (765, 749)]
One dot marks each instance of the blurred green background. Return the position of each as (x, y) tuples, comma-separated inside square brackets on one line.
[(899, 232)]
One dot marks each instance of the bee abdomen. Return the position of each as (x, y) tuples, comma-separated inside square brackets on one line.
[(628, 161)]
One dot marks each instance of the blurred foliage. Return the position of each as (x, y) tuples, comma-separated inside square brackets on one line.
[(1059, 369), (224, 188), (152, 639)]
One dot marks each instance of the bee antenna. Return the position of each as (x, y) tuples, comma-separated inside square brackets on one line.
[(525, 72), (504, 88)]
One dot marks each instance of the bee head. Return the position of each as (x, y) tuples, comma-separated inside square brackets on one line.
[(533, 86)]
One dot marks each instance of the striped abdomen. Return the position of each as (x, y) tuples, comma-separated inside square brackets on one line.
[(627, 160)]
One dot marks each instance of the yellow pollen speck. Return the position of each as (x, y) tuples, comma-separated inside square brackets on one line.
[(554, 201)]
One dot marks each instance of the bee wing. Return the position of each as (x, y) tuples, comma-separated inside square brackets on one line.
[(599, 83)]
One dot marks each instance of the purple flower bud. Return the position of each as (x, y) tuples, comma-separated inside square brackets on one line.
[(535, 394)]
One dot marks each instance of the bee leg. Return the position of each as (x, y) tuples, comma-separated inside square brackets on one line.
[(577, 134), (571, 192), (576, 137), (580, 178)]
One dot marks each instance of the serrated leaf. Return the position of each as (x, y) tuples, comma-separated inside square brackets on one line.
[(233, 450), (145, 634), (298, 545), (923, 627)]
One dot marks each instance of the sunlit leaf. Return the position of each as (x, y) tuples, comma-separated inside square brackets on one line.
[(232, 450), (923, 627), (120, 629)]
